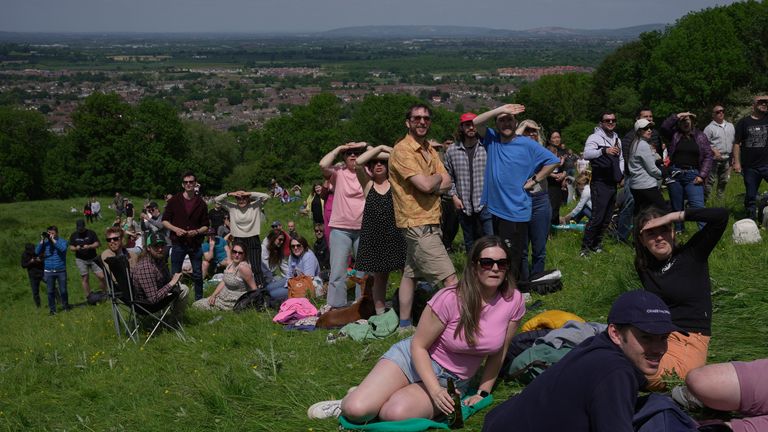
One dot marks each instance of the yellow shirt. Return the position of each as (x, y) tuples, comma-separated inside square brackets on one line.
[(413, 207)]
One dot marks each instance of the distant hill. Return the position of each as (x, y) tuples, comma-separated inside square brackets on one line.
[(426, 31), (359, 32)]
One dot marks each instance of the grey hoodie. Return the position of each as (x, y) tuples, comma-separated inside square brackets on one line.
[(643, 172)]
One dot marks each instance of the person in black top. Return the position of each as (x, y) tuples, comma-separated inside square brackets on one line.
[(750, 152), (84, 243), (316, 203), (594, 387), (321, 251), (690, 154), (680, 276), (216, 216), (34, 265)]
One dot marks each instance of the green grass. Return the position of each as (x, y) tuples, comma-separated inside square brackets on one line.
[(242, 372)]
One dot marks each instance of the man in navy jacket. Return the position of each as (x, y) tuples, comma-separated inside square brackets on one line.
[(594, 387)]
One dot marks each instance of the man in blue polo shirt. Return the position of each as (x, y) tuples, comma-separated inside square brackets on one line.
[(594, 387), (509, 174)]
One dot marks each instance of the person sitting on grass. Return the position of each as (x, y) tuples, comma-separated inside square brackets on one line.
[(154, 282), (584, 206), (679, 274), (275, 261), (238, 278), (302, 260), (216, 253), (734, 386), (595, 386), (461, 326)]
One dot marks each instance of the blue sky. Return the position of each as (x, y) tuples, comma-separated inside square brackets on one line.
[(317, 15)]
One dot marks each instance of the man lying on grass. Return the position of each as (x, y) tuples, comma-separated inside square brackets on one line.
[(594, 387)]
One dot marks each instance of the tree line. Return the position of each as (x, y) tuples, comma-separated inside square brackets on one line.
[(716, 55)]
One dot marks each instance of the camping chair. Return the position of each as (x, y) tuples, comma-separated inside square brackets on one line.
[(123, 296)]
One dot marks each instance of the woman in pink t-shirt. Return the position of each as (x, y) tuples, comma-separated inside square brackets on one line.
[(346, 217), (460, 327)]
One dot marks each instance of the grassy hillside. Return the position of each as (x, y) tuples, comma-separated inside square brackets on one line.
[(242, 372)]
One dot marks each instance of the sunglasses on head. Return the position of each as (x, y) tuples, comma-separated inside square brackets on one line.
[(487, 263)]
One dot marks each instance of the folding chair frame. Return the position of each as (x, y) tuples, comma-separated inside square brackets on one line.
[(122, 294)]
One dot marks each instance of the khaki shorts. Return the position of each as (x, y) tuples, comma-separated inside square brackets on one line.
[(425, 254), (84, 265)]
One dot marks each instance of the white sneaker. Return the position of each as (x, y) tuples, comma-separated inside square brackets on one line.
[(685, 399), (324, 409)]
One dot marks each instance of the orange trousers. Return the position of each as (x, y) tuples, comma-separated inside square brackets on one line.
[(684, 354)]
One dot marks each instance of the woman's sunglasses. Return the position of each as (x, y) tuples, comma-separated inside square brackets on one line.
[(487, 263)]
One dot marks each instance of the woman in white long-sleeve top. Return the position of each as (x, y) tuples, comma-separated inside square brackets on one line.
[(245, 218)]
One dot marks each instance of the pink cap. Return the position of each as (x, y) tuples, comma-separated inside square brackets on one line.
[(295, 309), (467, 117)]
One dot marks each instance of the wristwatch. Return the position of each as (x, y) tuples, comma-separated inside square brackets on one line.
[(482, 393)]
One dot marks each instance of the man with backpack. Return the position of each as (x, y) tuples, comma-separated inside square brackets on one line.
[(594, 387)]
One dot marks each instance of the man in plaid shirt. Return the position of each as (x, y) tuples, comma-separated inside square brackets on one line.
[(465, 163), (152, 279)]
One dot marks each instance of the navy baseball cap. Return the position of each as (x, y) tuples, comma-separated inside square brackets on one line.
[(644, 310)]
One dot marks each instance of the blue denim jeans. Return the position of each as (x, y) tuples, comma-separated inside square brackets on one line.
[(51, 278), (178, 252), (277, 288), (585, 212), (752, 179), (684, 189), (536, 235), (343, 243), (475, 226)]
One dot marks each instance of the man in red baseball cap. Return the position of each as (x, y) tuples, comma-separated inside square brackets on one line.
[(465, 163)]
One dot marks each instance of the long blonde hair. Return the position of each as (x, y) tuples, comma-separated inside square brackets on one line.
[(468, 290)]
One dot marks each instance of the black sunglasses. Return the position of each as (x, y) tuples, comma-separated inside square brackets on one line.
[(353, 153), (112, 239), (487, 263), (609, 121)]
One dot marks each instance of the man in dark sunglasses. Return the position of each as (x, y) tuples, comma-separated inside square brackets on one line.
[(186, 217), (115, 246), (418, 179), (603, 151), (750, 152)]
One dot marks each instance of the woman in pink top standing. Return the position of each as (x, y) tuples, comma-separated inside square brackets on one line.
[(346, 217), (410, 379)]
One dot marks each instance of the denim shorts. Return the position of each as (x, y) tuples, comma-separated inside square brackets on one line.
[(400, 354)]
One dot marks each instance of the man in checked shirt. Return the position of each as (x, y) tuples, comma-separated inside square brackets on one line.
[(152, 279), (465, 163)]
